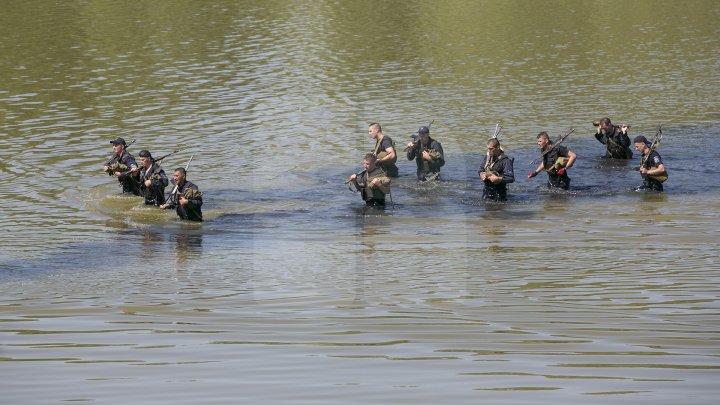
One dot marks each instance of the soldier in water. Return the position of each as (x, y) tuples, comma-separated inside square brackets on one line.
[(615, 138), (556, 159), (384, 150), (123, 166), (496, 172), (652, 168), (372, 183), (152, 179), (428, 155), (186, 198)]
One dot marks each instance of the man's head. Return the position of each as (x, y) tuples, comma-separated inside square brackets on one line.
[(641, 143), (374, 129), (118, 145), (543, 140), (369, 161), (146, 158), (179, 175), (493, 147), (424, 134), (605, 125)]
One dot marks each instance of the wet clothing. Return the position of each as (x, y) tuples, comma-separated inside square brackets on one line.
[(427, 169), (653, 160), (618, 144), (123, 163), (192, 211), (370, 194), (503, 167), (556, 177), (155, 194), (381, 146)]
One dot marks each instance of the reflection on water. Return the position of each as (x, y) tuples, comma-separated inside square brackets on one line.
[(593, 295)]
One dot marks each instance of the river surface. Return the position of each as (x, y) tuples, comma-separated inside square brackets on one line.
[(291, 291)]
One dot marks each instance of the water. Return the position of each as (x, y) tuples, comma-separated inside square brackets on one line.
[(291, 291)]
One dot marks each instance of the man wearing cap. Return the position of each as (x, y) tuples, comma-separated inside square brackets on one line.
[(186, 198), (152, 179), (428, 155), (615, 138), (123, 166), (384, 150), (652, 169), (496, 172)]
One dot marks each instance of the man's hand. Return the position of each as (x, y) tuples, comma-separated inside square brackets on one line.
[(148, 183)]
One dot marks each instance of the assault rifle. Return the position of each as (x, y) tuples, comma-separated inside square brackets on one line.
[(357, 175), (416, 138), (597, 124), (555, 145), (164, 156), (498, 128), (654, 144)]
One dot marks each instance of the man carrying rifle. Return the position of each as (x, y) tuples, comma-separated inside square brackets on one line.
[(556, 159), (372, 183), (652, 169), (123, 166), (152, 179), (496, 172), (428, 155), (615, 138), (186, 198)]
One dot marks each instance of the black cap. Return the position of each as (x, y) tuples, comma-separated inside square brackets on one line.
[(423, 130), (642, 139), (118, 141), (144, 153)]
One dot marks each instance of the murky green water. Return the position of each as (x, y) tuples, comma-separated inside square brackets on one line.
[(291, 291)]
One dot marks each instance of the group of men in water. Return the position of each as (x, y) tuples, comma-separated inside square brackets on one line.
[(149, 181), (496, 170)]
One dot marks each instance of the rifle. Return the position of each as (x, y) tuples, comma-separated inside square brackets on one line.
[(555, 145), (416, 137), (169, 154), (654, 145), (597, 124), (357, 175), (498, 128)]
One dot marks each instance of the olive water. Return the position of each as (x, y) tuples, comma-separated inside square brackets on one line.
[(291, 291)]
